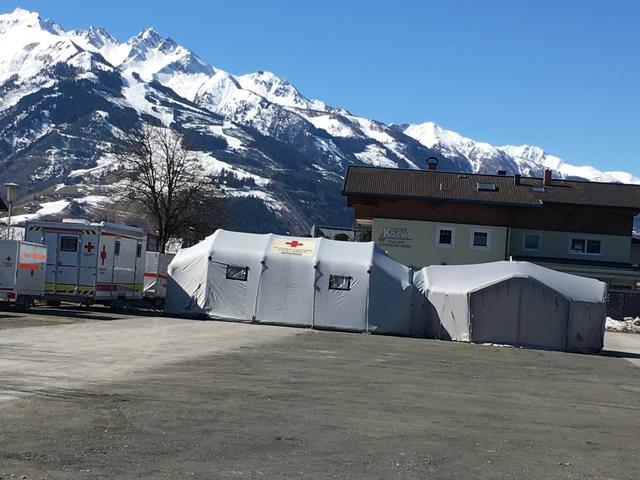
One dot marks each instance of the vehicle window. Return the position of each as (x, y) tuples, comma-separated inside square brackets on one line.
[(139, 250), (68, 244), (116, 248)]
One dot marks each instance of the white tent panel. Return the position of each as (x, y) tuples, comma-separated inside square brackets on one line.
[(391, 296), (585, 331), (515, 303), (286, 284), (311, 282), (342, 285)]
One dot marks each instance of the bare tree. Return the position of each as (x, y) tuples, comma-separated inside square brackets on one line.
[(164, 180)]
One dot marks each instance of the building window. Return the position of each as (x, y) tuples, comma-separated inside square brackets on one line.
[(531, 241), (486, 187), (68, 244), (339, 282), (594, 247), (480, 240), (237, 273), (585, 246), (446, 237)]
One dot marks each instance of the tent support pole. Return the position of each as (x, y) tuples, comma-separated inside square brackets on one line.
[(255, 306)]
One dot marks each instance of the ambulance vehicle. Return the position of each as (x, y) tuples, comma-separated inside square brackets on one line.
[(91, 263)]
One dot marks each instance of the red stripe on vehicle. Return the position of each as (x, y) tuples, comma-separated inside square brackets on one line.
[(35, 256), (29, 266), (156, 275)]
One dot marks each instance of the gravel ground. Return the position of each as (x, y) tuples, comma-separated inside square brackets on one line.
[(166, 398)]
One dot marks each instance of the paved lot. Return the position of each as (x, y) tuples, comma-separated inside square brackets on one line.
[(98, 395)]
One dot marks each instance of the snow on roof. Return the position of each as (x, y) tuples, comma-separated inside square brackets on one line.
[(470, 278)]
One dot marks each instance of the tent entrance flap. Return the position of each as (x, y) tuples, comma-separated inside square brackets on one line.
[(519, 311), (286, 284)]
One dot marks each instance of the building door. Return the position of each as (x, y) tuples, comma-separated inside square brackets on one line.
[(68, 262), (88, 262), (50, 239)]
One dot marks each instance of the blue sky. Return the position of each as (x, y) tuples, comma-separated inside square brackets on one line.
[(564, 75)]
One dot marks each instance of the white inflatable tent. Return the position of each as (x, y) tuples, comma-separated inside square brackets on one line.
[(313, 282), (516, 303)]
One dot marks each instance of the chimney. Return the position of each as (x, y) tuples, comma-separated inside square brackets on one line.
[(516, 179), (432, 164), (546, 180)]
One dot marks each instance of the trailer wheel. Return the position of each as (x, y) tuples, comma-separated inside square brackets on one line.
[(23, 303)]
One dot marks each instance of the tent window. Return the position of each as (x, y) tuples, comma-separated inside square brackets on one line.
[(237, 273), (531, 241), (446, 237), (69, 244), (339, 282), (480, 240)]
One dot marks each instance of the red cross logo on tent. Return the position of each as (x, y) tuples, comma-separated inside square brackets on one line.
[(8, 259), (103, 254), (294, 244), (89, 246)]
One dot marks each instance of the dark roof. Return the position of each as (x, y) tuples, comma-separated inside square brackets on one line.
[(463, 187)]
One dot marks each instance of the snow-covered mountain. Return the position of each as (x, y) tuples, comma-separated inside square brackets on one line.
[(525, 159), (66, 96)]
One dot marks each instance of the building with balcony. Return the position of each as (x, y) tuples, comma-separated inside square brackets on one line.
[(429, 217)]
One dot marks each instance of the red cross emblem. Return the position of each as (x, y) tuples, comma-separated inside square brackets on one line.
[(8, 259), (103, 254), (89, 246), (294, 244)]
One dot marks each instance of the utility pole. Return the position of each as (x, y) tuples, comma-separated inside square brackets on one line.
[(11, 195)]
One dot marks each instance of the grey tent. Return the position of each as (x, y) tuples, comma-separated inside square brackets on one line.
[(516, 303), (311, 282)]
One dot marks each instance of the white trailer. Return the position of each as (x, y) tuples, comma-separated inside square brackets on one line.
[(22, 272), (91, 262), (155, 275)]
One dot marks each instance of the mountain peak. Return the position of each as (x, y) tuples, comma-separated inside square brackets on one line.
[(96, 36), (149, 37), (21, 17), (431, 134), (277, 90)]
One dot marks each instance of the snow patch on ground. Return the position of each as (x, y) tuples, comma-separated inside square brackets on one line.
[(47, 208), (93, 200), (105, 163), (332, 125), (135, 92), (375, 155), (628, 325), (268, 199), (213, 166), (225, 131)]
